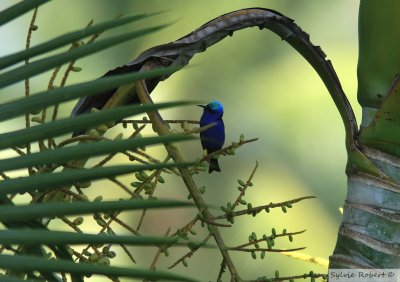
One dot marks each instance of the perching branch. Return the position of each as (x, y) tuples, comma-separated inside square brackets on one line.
[(227, 149), (161, 127), (140, 121)]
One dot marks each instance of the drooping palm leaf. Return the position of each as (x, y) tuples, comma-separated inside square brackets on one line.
[(66, 39), (34, 103), (19, 9), (56, 96), (64, 126), (42, 237), (43, 65), (83, 151), (30, 263), (57, 180), (40, 210)]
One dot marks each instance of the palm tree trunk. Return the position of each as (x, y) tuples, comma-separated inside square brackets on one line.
[(369, 235)]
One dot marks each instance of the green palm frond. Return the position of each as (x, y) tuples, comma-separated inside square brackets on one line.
[(83, 151), (48, 63), (57, 180), (23, 221), (24, 212), (19, 9), (41, 237), (63, 40), (59, 95), (64, 126), (31, 263)]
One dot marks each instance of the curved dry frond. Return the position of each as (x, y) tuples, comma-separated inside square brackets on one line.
[(182, 50)]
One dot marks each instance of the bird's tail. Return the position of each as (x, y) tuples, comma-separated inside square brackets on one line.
[(214, 165)]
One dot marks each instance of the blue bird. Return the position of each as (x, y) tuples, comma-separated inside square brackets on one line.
[(213, 138)]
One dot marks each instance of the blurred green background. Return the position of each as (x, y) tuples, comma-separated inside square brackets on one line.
[(268, 91)]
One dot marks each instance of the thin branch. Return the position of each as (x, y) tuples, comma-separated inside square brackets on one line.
[(105, 160), (3, 175), (308, 258), (123, 224), (221, 270), (228, 150), (258, 209), (27, 86), (190, 225), (244, 188), (132, 157), (70, 66), (225, 150), (81, 138), (110, 156), (186, 228), (122, 185), (109, 229), (18, 151), (287, 278), (157, 256), (139, 189), (275, 236), (151, 160), (139, 121), (191, 253), (51, 85), (114, 217), (210, 222), (249, 250), (72, 194), (153, 188), (70, 224), (107, 226), (128, 253), (199, 129)]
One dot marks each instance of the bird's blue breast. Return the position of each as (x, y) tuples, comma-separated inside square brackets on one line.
[(213, 138)]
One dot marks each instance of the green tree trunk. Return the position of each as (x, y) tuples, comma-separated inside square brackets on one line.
[(369, 236)]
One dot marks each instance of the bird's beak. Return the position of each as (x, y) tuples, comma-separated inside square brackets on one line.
[(201, 106)]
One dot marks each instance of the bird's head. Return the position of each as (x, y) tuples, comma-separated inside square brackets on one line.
[(214, 107)]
